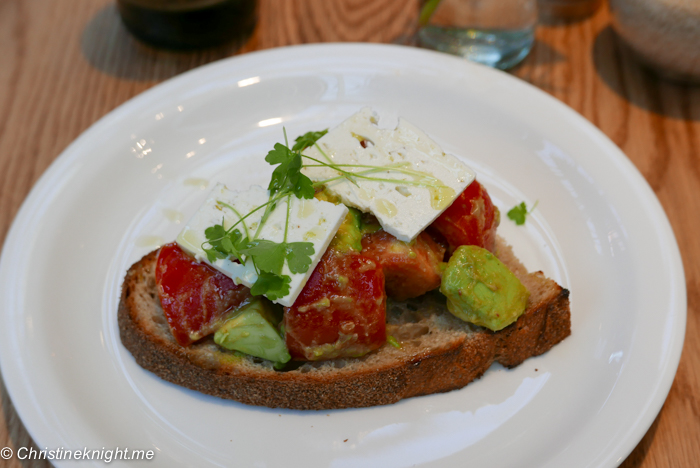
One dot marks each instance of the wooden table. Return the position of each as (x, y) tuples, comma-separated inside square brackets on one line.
[(63, 65)]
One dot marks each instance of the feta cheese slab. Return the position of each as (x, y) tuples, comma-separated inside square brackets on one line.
[(311, 220), (427, 179)]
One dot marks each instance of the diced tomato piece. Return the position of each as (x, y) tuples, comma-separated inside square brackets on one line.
[(410, 268), (472, 219), (195, 297), (341, 312)]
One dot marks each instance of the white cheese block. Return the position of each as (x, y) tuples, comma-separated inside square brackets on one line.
[(311, 220), (427, 179)]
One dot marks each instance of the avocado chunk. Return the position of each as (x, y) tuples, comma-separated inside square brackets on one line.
[(253, 330), (481, 290), (349, 235)]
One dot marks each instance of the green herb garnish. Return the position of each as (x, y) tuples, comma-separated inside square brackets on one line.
[(271, 285), (519, 212), (393, 341), (307, 140), (287, 177), (223, 243), (270, 256), (287, 180)]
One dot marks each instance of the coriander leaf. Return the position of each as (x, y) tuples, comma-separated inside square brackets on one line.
[(307, 139), (215, 232), (287, 176), (303, 187), (223, 243), (227, 244), (268, 256), (280, 154), (271, 285), (297, 182), (298, 256), (287, 165), (519, 212), (213, 255)]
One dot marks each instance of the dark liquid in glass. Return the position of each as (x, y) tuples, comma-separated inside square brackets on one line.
[(188, 24)]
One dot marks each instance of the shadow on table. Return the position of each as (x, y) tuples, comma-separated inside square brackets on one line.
[(617, 66), (110, 48)]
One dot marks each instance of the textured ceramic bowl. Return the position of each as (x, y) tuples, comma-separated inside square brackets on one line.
[(665, 34)]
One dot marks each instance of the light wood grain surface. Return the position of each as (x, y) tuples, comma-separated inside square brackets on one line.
[(64, 64)]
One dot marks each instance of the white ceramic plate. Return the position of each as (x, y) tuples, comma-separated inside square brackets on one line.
[(128, 182)]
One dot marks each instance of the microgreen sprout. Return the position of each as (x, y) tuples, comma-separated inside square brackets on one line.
[(421, 179)]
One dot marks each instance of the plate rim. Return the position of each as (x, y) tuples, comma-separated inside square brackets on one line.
[(62, 162)]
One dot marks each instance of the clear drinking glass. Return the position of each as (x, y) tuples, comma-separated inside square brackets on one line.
[(498, 33)]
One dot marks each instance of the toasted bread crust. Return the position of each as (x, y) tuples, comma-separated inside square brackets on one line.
[(386, 376)]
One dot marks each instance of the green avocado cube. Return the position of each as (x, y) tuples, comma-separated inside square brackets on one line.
[(481, 290), (253, 330), (349, 235)]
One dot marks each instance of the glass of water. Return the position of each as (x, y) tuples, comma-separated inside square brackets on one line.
[(498, 33)]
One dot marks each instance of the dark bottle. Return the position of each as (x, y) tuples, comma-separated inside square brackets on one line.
[(567, 9), (188, 24)]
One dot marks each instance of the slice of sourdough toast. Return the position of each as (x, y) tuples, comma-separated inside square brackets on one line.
[(438, 352)]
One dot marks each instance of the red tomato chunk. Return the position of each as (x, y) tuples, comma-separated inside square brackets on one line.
[(410, 268), (472, 219), (196, 299), (341, 312)]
